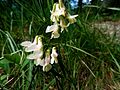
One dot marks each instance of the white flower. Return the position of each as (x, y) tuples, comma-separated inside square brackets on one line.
[(63, 24), (35, 55), (36, 45), (37, 48), (55, 34), (26, 43), (57, 11), (71, 19), (32, 47), (47, 66), (39, 61), (54, 56), (47, 57), (54, 29)]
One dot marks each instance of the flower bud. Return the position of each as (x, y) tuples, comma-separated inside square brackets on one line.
[(47, 67)]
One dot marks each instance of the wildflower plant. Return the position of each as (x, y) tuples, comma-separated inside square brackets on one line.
[(62, 56), (61, 20)]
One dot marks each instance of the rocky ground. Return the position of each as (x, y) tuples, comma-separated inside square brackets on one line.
[(110, 28)]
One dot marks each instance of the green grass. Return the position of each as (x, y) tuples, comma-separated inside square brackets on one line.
[(88, 59)]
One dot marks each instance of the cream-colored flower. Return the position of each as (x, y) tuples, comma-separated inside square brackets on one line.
[(54, 56), (54, 29), (39, 61), (56, 12), (55, 34), (33, 46), (71, 19), (29, 43), (64, 24), (47, 57), (37, 48), (59, 11), (35, 55), (47, 66), (26, 43)]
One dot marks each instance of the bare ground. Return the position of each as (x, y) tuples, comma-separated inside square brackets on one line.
[(110, 28)]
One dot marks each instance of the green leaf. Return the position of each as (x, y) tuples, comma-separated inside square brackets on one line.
[(3, 77), (112, 8), (4, 63), (15, 58)]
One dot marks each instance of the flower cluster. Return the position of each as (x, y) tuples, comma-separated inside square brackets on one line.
[(61, 19), (36, 47)]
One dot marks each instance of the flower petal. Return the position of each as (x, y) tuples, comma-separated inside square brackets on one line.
[(36, 40), (39, 62), (72, 18), (47, 57), (35, 55), (54, 56), (48, 29), (33, 47), (64, 23), (40, 42), (55, 34), (26, 43), (51, 28), (52, 60)]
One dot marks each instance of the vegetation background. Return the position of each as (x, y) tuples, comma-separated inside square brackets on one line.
[(89, 59)]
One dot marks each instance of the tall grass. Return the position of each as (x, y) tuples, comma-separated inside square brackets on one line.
[(88, 59)]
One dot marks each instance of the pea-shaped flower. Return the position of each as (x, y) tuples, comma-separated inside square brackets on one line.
[(54, 29), (39, 61), (33, 46), (37, 50), (57, 11), (29, 46), (47, 66), (54, 56), (71, 18), (47, 56), (63, 23)]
